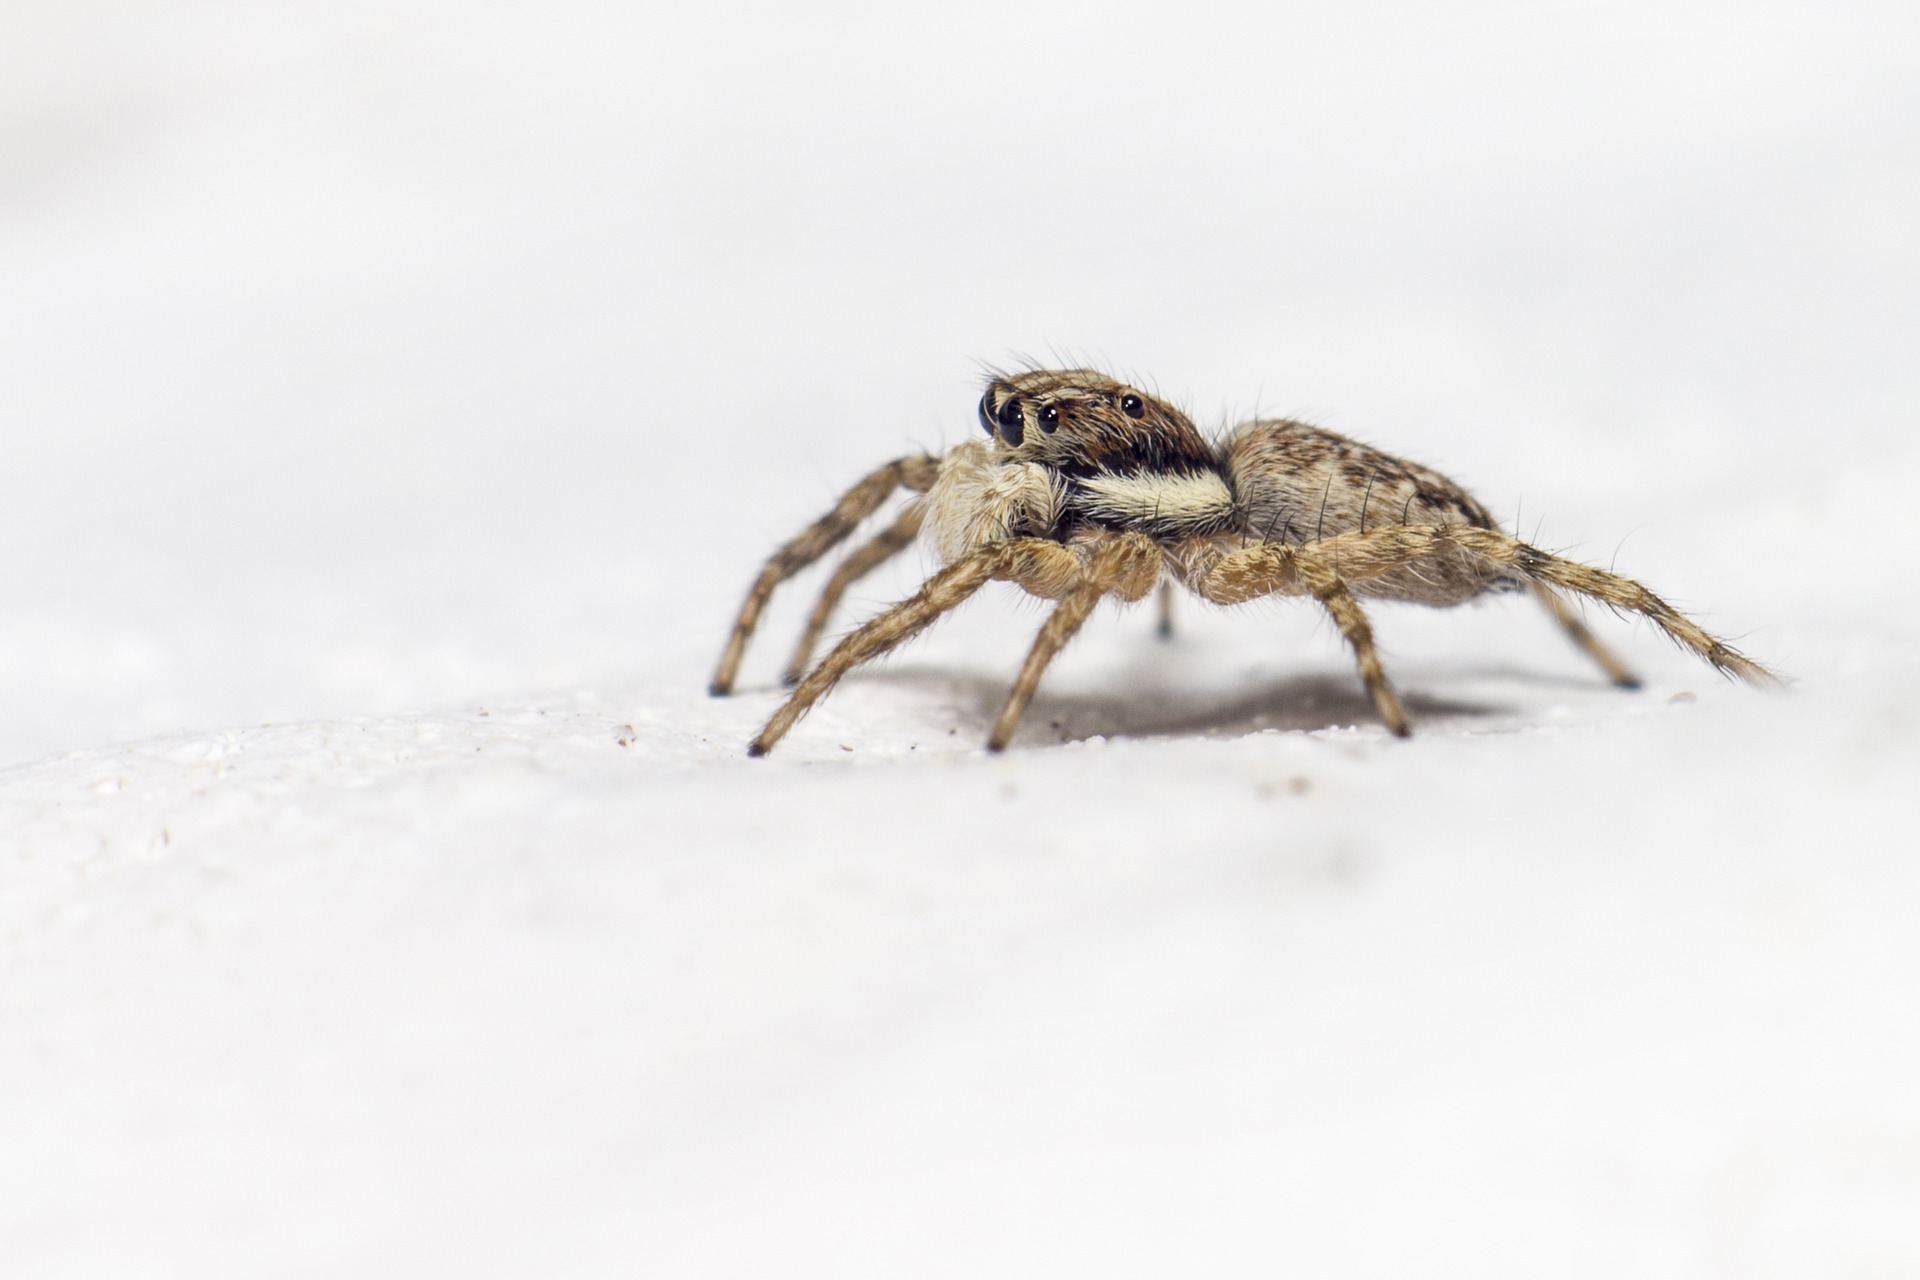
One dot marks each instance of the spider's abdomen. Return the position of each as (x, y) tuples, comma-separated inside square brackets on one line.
[(1297, 484)]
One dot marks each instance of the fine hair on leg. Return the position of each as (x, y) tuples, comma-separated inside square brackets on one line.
[(884, 545), (1583, 638), (810, 544)]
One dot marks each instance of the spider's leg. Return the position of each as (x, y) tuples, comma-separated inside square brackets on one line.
[(1235, 577), (1165, 629), (1588, 643), (1127, 567), (1025, 559), (1337, 599), (813, 542), (870, 556), (1365, 555), (1280, 569)]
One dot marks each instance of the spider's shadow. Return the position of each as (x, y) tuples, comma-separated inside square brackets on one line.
[(1144, 710)]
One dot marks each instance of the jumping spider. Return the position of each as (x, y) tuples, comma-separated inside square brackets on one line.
[(1087, 488)]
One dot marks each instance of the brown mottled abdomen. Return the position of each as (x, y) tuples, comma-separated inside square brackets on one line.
[(1296, 484)]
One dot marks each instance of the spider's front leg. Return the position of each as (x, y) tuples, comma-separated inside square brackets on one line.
[(884, 545), (916, 473), (1042, 567)]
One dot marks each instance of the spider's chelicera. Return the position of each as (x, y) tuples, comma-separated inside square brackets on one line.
[(1087, 488)]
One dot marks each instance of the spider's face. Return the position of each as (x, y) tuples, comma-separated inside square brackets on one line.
[(1082, 422), (1042, 402)]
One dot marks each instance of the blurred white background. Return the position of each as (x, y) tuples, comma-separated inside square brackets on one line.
[(364, 364)]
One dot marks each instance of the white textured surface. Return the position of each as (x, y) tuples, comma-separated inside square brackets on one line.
[(417, 386)]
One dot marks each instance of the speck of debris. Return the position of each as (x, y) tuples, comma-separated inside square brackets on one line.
[(1680, 699), (1298, 785), (845, 747)]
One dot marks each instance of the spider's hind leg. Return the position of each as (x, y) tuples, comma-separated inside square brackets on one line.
[(1617, 592), (1583, 638), (1362, 556)]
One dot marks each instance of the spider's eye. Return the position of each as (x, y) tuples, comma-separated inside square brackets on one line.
[(1013, 428), (1049, 418), (986, 413), (1132, 406)]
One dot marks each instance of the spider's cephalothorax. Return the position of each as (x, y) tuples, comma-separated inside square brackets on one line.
[(1086, 488), (1117, 458)]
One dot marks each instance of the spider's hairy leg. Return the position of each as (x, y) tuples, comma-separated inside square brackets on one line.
[(1045, 568), (871, 555), (1335, 597), (1364, 555), (1165, 627), (1588, 643), (917, 473), (1279, 569), (1235, 577), (1127, 567)]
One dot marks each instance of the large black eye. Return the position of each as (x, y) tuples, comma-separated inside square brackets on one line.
[(1131, 406), (1049, 418), (986, 413), (1013, 428)]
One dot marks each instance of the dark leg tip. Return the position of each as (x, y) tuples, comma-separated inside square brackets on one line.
[(719, 689), (790, 679), (1401, 730), (756, 749), (1164, 631), (996, 746), (1626, 682)]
